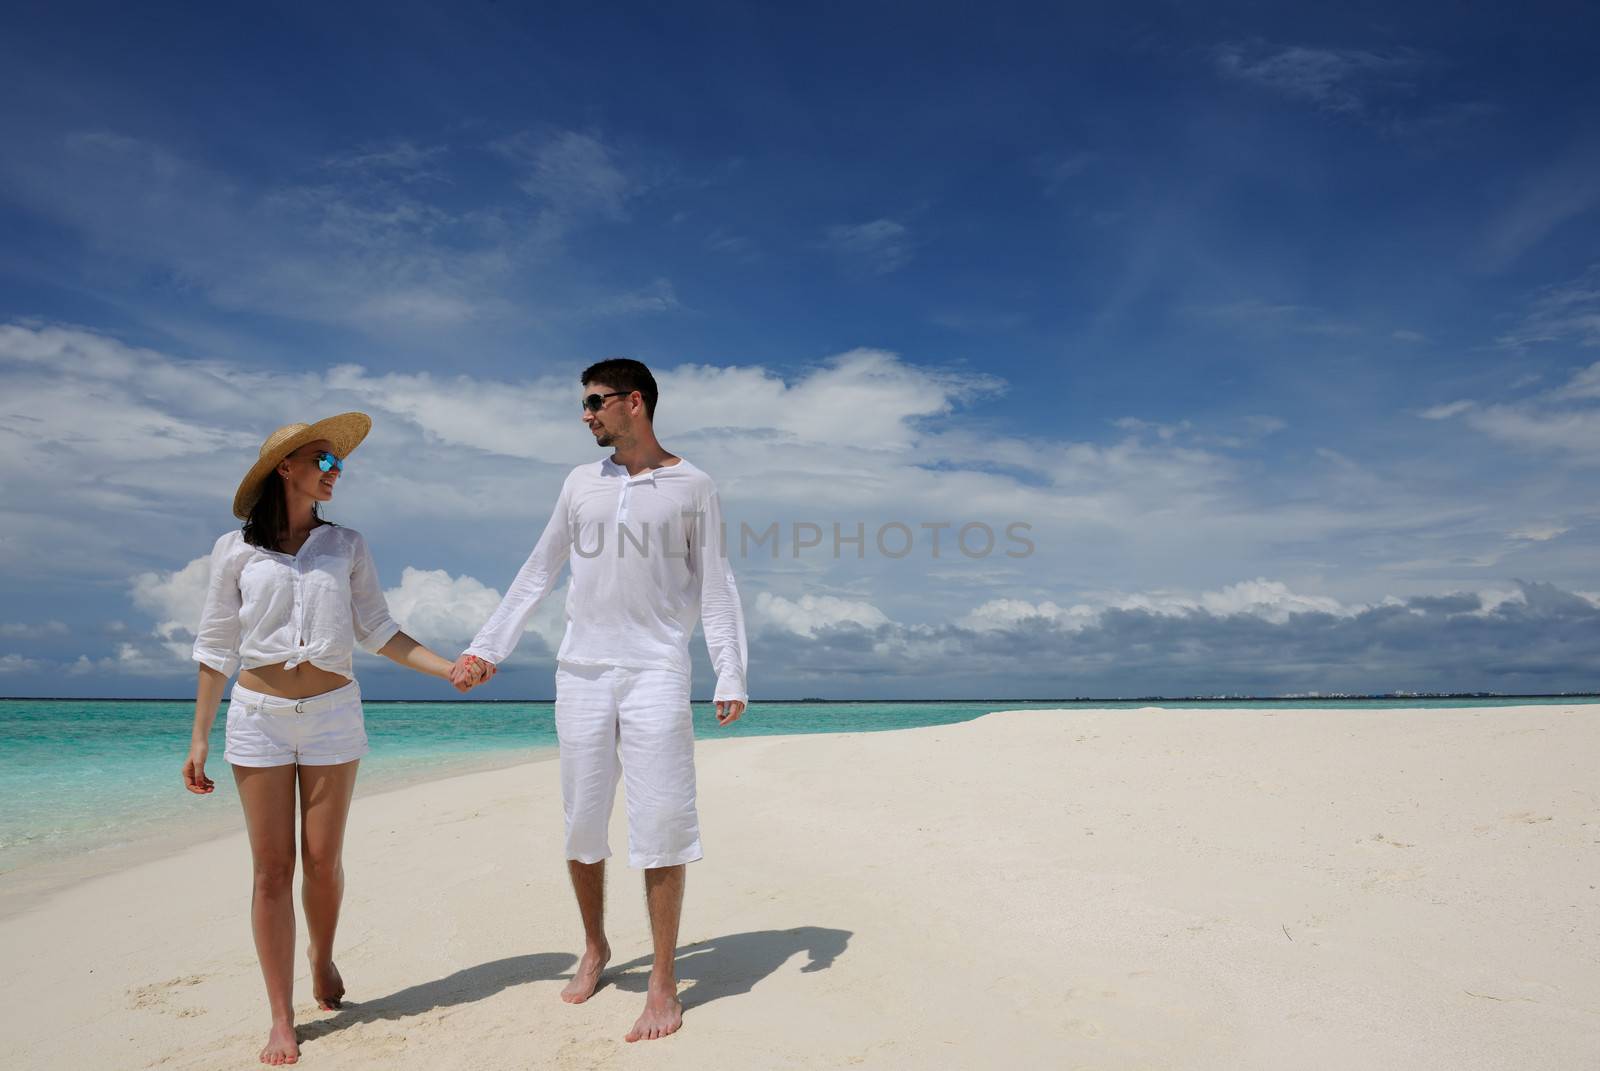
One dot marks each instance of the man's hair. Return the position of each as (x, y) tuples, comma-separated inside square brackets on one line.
[(624, 374)]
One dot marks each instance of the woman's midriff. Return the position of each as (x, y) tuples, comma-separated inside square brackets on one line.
[(301, 682)]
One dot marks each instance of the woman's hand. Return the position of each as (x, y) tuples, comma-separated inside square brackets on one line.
[(194, 771), (470, 671)]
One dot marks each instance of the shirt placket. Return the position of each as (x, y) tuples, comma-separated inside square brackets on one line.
[(625, 495), (298, 572)]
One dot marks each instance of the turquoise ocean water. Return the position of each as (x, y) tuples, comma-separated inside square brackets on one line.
[(78, 777)]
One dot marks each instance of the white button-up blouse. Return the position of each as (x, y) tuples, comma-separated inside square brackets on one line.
[(264, 607)]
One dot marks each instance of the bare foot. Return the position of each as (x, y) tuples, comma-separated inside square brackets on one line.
[(662, 1014), (327, 986), (587, 977), (281, 1047)]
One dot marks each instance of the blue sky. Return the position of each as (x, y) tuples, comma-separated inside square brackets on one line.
[(1279, 328)]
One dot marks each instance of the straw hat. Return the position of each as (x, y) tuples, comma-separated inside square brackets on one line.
[(344, 431)]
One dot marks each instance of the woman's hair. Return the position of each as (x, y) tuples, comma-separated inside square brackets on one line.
[(268, 522)]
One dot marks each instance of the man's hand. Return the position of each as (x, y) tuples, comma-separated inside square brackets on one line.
[(728, 710), (462, 674)]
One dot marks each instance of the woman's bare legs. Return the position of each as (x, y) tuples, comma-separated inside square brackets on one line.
[(267, 794), (324, 807)]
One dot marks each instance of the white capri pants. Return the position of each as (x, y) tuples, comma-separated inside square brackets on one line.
[(636, 724)]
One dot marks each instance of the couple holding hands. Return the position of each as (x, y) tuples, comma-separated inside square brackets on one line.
[(291, 594)]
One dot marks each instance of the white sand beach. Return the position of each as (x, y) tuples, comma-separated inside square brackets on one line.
[(1254, 888)]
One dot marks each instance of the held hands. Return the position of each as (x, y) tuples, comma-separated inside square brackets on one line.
[(194, 771), (728, 710), (469, 672)]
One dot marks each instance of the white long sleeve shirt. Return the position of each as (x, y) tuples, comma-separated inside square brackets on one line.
[(264, 607), (648, 561)]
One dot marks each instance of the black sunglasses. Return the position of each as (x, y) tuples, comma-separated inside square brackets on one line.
[(595, 402)]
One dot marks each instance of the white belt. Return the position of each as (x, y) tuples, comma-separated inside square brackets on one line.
[(257, 703)]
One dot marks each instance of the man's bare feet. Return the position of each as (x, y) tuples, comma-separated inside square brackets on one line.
[(586, 978), (663, 1014), (281, 1047), (327, 986)]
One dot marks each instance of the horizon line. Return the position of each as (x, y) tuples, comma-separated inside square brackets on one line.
[(814, 700)]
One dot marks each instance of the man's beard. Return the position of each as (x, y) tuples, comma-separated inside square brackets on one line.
[(605, 438)]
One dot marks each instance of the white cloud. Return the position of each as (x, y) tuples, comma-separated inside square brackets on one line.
[(174, 599), (1565, 313), (832, 403), (997, 614), (805, 615), (1267, 317), (1269, 600), (1584, 384), (1540, 533), (462, 473), (401, 158), (1265, 425), (142, 658), (15, 663), (93, 428), (572, 174), (444, 612), (1537, 637), (723, 241), (1446, 411), (1334, 79), (1161, 431), (353, 253), (415, 305), (658, 296), (1575, 432), (1552, 195), (12, 630), (1562, 420), (377, 240), (881, 246)]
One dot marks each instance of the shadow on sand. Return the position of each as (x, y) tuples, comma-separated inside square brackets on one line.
[(462, 987), (731, 966), (720, 967)]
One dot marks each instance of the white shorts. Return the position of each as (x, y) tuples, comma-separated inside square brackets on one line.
[(325, 730), (635, 724)]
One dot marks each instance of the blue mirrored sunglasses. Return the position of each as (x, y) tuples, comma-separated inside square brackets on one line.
[(328, 462)]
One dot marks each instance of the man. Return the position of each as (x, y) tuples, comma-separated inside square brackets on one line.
[(649, 561)]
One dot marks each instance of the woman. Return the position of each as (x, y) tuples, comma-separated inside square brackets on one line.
[(290, 595)]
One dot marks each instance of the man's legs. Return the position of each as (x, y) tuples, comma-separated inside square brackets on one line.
[(656, 743), (663, 894), (589, 884), (586, 732)]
